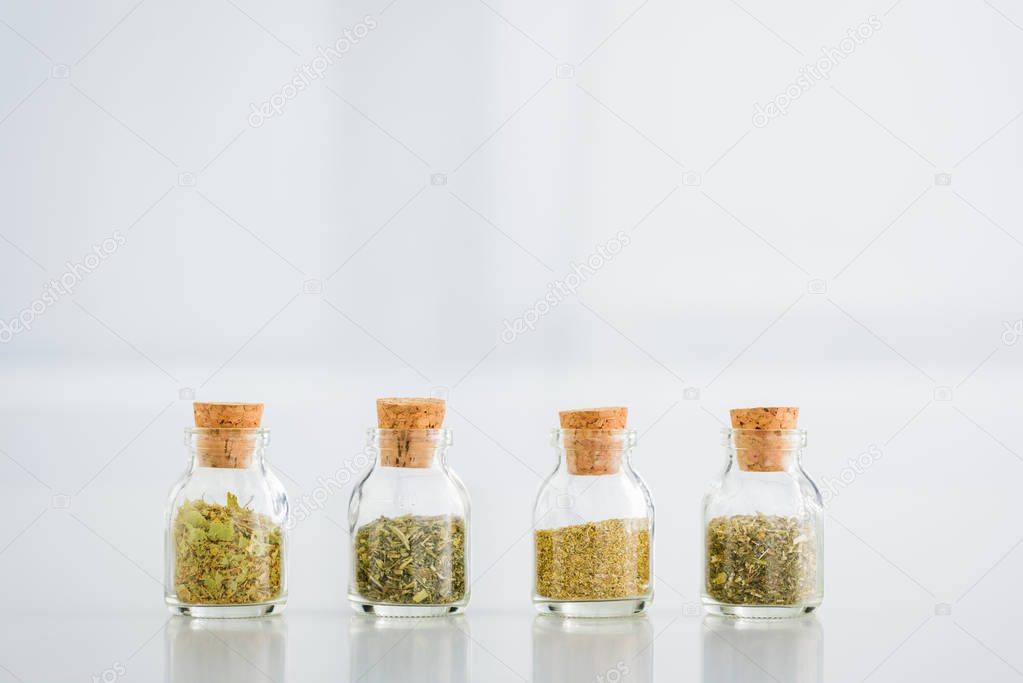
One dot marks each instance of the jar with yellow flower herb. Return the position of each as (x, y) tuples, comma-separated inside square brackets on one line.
[(226, 520)]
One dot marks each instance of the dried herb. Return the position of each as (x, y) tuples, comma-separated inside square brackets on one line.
[(761, 560), (606, 560), (225, 554), (411, 560)]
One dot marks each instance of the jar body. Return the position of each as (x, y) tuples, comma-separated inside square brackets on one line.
[(593, 532), (763, 535), (226, 535), (409, 526)]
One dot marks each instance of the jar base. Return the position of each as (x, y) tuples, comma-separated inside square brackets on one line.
[(757, 611), (392, 610), (248, 611), (592, 608)]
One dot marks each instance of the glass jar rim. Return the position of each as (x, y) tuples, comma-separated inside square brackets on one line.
[(440, 436), (795, 438), (227, 431)]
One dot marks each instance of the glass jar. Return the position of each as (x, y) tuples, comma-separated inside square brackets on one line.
[(409, 524), (593, 524), (224, 650), (763, 527), (615, 650), (226, 526), (410, 650), (790, 650)]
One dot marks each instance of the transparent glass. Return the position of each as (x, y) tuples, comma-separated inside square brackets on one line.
[(409, 523), (224, 651), (789, 650), (226, 529), (614, 650), (593, 526), (763, 529), (410, 650)]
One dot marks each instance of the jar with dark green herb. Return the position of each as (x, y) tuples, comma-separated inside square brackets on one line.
[(409, 517), (763, 521), (593, 522)]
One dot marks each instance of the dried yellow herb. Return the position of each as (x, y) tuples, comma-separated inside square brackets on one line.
[(606, 560), (411, 559), (761, 560), (225, 554)]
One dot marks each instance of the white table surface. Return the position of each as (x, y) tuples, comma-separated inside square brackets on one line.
[(879, 643)]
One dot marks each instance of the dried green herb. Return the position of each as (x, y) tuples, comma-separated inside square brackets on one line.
[(225, 554), (411, 560), (606, 560), (761, 560)]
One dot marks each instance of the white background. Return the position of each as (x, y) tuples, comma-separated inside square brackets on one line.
[(858, 257)]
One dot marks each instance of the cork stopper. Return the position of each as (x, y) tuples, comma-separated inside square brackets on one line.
[(760, 445), (229, 433), (592, 446), (410, 439)]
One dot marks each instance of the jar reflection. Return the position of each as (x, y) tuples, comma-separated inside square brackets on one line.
[(753, 650), (409, 650), (588, 650), (224, 651)]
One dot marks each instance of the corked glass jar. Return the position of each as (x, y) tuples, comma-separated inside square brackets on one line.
[(409, 517), (763, 521), (226, 519), (593, 521)]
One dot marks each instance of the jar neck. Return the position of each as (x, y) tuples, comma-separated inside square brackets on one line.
[(410, 448), (593, 452), (766, 450), (220, 448)]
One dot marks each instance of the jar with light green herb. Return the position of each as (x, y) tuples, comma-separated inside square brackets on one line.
[(227, 520)]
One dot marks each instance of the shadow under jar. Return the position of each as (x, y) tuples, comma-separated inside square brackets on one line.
[(226, 520), (593, 522), (409, 519), (763, 522)]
